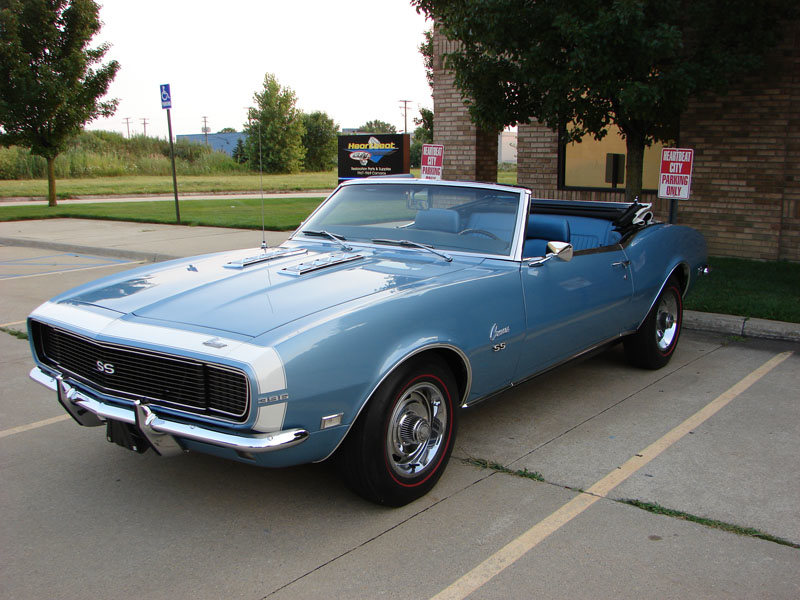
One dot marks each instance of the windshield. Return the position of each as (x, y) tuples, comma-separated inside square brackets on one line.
[(468, 219)]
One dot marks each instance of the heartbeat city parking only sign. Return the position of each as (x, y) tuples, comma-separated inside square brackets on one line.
[(675, 176)]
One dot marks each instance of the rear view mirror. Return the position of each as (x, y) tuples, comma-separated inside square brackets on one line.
[(418, 201)]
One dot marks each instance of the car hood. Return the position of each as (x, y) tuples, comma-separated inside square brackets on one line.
[(254, 299)]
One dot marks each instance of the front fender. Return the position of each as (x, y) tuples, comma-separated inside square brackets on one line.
[(336, 360)]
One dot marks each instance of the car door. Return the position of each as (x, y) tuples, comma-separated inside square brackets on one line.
[(572, 306)]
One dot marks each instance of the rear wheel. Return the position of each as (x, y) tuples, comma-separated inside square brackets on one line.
[(400, 445), (652, 346)]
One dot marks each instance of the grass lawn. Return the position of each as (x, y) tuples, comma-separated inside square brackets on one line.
[(146, 184), (767, 290)]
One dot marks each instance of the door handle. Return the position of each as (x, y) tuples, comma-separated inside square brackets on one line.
[(622, 263)]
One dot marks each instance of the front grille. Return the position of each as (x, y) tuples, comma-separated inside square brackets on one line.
[(162, 379)]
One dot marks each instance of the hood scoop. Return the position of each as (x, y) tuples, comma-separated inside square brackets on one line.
[(322, 262), (266, 255)]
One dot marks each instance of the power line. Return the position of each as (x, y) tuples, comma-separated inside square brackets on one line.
[(144, 124), (128, 125)]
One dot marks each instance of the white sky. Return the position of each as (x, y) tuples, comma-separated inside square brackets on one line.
[(351, 59)]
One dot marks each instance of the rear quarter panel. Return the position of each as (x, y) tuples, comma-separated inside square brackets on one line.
[(655, 253)]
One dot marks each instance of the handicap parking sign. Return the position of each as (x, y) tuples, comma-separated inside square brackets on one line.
[(166, 96)]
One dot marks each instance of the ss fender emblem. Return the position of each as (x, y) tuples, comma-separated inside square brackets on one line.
[(105, 367), (498, 347)]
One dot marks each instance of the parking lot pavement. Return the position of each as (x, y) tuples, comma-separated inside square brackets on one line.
[(84, 518), (137, 241), (29, 276)]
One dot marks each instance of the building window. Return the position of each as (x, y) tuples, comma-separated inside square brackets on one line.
[(600, 165)]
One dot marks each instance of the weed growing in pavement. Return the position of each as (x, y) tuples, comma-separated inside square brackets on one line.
[(495, 466), (713, 523), (16, 333), (735, 339)]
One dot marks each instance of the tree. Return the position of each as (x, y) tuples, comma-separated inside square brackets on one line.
[(275, 130), (423, 134), (52, 80), (426, 50), (239, 154), (377, 126), (579, 66), (320, 141), (227, 130)]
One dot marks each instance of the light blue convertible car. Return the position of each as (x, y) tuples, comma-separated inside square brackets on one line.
[(396, 304)]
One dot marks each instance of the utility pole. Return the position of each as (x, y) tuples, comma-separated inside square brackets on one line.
[(405, 114), (128, 125), (205, 128), (144, 124)]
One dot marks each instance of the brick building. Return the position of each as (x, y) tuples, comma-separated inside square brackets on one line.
[(746, 184)]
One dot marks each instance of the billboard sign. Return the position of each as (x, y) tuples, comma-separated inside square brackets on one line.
[(371, 154), (675, 176), (432, 161)]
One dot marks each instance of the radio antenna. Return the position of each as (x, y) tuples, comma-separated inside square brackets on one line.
[(261, 186)]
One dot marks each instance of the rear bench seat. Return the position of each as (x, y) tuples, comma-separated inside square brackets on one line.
[(584, 233), (588, 232)]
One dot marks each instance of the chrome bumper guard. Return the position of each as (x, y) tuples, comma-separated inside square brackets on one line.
[(161, 433)]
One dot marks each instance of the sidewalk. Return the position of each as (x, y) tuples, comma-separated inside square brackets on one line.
[(154, 242)]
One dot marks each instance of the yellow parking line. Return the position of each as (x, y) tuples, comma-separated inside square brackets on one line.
[(36, 425), (12, 323), (517, 548)]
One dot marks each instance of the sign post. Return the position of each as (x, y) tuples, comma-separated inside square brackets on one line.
[(166, 103), (432, 161), (675, 176)]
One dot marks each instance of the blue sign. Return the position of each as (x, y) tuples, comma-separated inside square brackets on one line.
[(166, 96)]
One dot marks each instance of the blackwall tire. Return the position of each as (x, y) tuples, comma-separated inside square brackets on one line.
[(653, 345), (401, 443)]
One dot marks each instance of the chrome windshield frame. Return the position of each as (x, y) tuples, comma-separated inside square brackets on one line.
[(515, 248)]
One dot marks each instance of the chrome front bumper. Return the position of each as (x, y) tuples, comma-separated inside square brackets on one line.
[(161, 433)]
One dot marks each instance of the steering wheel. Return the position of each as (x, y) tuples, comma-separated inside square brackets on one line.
[(481, 232)]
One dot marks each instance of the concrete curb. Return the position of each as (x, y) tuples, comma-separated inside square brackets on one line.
[(94, 250), (742, 326)]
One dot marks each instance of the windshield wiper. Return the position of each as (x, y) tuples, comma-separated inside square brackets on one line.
[(339, 239), (410, 244)]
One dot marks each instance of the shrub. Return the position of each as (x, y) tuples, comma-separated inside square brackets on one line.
[(107, 153)]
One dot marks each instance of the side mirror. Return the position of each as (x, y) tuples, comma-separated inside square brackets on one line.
[(561, 250)]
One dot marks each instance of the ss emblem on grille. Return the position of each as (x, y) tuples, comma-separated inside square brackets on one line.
[(105, 367)]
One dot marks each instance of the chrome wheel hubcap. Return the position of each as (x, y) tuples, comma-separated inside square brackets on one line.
[(416, 429), (666, 322)]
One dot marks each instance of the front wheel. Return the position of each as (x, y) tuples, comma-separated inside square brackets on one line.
[(653, 344), (400, 445)]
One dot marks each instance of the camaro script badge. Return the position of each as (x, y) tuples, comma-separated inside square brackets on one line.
[(496, 332)]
